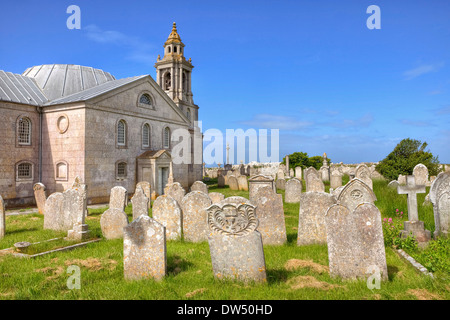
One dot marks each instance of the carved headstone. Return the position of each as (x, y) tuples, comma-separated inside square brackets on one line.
[(355, 241), (167, 212), (235, 245), (259, 181), (118, 198), (270, 212), (355, 193), (139, 203), (144, 249), (293, 191), (440, 198), (199, 186), (39, 196), (420, 173), (194, 206), (362, 173), (311, 220)]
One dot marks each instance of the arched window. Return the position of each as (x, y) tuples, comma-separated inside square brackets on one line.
[(167, 81), (61, 170), (166, 138), (24, 171), (169, 49), (121, 133), (175, 49), (146, 136), (188, 114), (121, 171), (24, 131), (145, 99)]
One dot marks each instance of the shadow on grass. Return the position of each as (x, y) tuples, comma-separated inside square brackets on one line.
[(21, 230), (277, 275), (392, 272), (176, 264)]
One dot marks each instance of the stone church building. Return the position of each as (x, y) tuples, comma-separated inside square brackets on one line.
[(60, 121)]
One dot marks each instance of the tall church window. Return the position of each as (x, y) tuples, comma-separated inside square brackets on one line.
[(146, 136), (121, 133), (24, 131), (166, 138), (167, 81)]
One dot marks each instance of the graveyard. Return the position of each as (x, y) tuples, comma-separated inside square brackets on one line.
[(295, 268)]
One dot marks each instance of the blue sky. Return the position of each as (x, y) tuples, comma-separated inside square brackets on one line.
[(309, 68)]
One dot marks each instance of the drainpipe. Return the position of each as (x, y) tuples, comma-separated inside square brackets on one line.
[(39, 110)]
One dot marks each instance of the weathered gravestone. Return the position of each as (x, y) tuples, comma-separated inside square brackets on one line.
[(308, 171), (314, 183), (62, 210), (112, 223), (39, 196), (176, 191), (324, 173), (401, 180), (440, 198), (194, 206), (281, 184), (413, 225), (147, 190), (293, 191), (259, 181), (280, 174), (2, 218), (216, 197), (336, 179), (118, 198), (355, 241), (298, 173), (336, 192), (311, 220), (393, 184), (354, 193), (220, 181), (139, 203), (199, 186), (236, 246), (75, 204), (79, 186), (167, 212), (362, 172), (242, 182), (144, 249), (420, 173), (270, 213), (233, 183), (291, 173)]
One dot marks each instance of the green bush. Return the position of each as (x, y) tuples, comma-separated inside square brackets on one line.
[(405, 156), (301, 159)]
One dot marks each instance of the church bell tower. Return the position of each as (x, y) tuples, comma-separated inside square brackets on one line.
[(173, 74)]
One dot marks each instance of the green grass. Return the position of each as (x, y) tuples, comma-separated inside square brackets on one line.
[(189, 266)]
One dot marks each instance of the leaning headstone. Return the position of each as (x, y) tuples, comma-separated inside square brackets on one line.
[(259, 181), (243, 183), (194, 206), (176, 191), (311, 220), (233, 183), (314, 183), (393, 184), (39, 196), (167, 212), (336, 179), (270, 213), (281, 184), (236, 246), (62, 210), (362, 172), (420, 173), (293, 191), (413, 225), (355, 242), (139, 203), (144, 249), (2, 218), (199, 186), (440, 198), (216, 197), (147, 190), (112, 223), (355, 193), (298, 173), (118, 198)]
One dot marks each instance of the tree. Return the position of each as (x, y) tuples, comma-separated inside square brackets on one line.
[(301, 159), (405, 156)]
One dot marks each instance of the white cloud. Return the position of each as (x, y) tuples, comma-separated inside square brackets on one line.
[(270, 121), (421, 70)]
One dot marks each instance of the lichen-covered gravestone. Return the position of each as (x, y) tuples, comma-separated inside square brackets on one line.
[(118, 198), (259, 181), (311, 219), (75, 204), (139, 203), (144, 250), (281, 184), (199, 186), (336, 179), (39, 196), (233, 183), (216, 197), (270, 213), (61, 210), (298, 173), (242, 182), (194, 206), (440, 198), (362, 172), (2, 218), (167, 212), (420, 173), (176, 191), (112, 223), (355, 242), (355, 193), (393, 184), (147, 190), (293, 191), (314, 183), (236, 246)]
